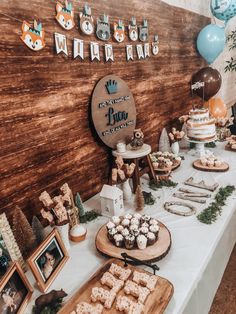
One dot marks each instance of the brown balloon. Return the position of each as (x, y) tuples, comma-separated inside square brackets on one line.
[(211, 78)]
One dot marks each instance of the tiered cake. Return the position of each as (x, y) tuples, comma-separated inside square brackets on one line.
[(200, 127)]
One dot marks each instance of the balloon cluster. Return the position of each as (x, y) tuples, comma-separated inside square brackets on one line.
[(210, 43), (211, 39)]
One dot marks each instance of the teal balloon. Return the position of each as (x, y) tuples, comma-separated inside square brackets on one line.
[(211, 42), (223, 9)]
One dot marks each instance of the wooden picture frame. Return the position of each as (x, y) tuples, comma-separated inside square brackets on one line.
[(15, 290), (47, 260), (10, 243)]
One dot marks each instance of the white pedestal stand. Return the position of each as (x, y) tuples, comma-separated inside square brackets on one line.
[(199, 149)]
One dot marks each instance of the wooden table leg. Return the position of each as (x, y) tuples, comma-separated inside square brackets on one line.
[(136, 177), (152, 174)]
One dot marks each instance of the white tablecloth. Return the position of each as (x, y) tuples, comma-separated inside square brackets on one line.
[(199, 252)]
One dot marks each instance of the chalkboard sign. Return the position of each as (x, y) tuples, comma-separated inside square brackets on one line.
[(113, 110)]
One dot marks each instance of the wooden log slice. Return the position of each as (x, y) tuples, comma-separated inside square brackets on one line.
[(152, 253), (197, 165), (156, 302), (175, 166)]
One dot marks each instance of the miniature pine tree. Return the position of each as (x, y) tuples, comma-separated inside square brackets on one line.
[(38, 230), (79, 204), (23, 232), (139, 199)]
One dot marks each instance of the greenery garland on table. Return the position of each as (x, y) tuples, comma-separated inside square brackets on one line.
[(210, 214), (161, 183), (88, 216)]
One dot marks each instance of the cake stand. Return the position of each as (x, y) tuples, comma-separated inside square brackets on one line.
[(199, 149)]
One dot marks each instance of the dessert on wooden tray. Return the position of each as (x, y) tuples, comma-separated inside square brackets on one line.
[(231, 142), (166, 160), (210, 162), (119, 289), (200, 126), (133, 231)]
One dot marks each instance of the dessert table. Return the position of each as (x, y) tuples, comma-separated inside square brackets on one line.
[(199, 254)]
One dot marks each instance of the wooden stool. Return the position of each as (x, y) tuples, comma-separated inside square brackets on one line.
[(142, 161)]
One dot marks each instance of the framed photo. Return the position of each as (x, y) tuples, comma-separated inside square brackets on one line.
[(8, 245), (15, 291), (47, 260)]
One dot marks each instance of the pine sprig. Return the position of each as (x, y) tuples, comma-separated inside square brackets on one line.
[(210, 214), (89, 216), (161, 183)]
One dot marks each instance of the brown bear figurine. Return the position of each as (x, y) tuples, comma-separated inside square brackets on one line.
[(49, 298)]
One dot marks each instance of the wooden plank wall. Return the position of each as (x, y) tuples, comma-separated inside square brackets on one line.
[(47, 136)]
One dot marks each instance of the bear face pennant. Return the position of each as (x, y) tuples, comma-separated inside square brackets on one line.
[(133, 30), (155, 48), (143, 31), (103, 31), (86, 22)]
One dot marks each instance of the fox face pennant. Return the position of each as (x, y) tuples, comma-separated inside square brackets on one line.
[(119, 31), (33, 37), (65, 15)]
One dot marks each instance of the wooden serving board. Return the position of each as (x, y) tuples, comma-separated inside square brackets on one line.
[(175, 166), (228, 147), (197, 165), (156, 302), (152, 253)]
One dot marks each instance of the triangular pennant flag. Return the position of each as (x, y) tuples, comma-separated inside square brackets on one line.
[(129, 52), (78, 48), (140, 51), (109, 52), (61, 45), (146, 50), (94, 50)]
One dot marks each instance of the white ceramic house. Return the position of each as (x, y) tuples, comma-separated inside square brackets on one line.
[(111, 201)]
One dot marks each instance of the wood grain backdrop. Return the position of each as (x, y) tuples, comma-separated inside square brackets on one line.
[(47, 136)]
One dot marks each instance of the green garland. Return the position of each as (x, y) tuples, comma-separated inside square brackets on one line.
[(161, 183), (210, 214), (88, 216)]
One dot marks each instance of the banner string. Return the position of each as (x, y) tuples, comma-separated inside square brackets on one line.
[(114, 44)]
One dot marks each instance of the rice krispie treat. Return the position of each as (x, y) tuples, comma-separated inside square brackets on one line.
[(86, 308), (120, 272), (104, 296), (141, 293), (143, 279), (110, 281), (127, 306)]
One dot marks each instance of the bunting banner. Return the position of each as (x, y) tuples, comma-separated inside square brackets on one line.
[(109, 52), (61, 45), (78, 48), (94, 51), (129, 52)]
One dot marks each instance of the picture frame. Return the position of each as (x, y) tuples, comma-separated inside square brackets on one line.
[(15, 290), (47, 260), (8, 241)]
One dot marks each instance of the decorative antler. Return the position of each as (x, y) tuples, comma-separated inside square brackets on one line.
[(201, 185), (87, 10), (156, 38), (133, 21), (145, 23)]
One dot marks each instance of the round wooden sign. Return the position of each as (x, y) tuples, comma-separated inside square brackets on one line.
[(113, 110), (152, 253)]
